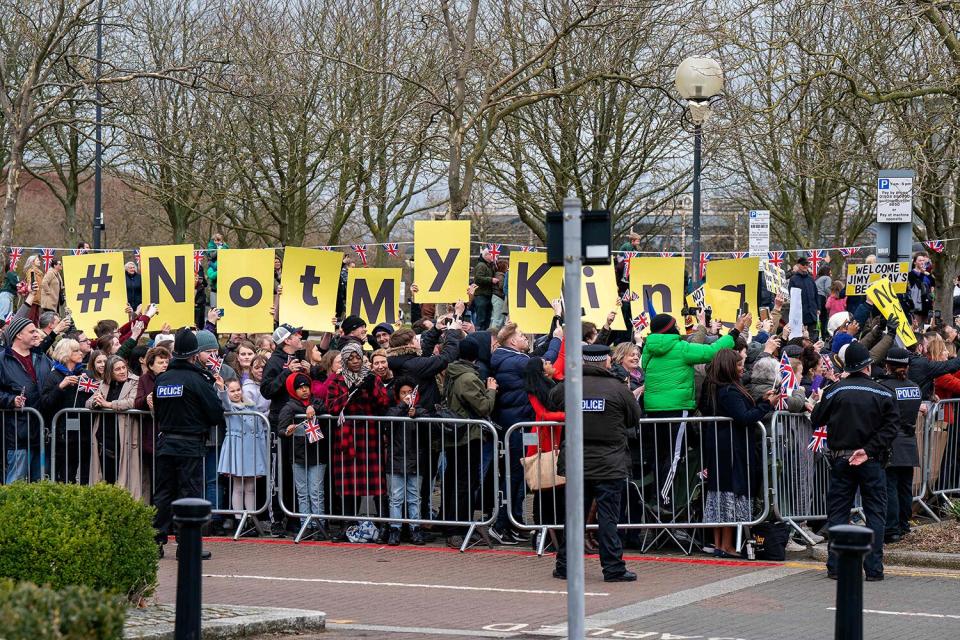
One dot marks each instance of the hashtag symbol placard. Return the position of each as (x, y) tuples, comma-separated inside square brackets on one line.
[(93, 288)]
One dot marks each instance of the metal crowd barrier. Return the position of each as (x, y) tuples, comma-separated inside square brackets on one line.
[(24, 446), (423, 472), (119, 447), (668, 484), (941, 452), (800, 476)]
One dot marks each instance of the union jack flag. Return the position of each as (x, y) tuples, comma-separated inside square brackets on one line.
[(414, 396), (311, 428), (136, 257), (48, 256), (15, 254), (737, 255), (197, 260), (667, 254), (8, 318), (392, 248), (640, 322), (775, 258), (704, 259), (629, 296), (528, 249), (87, 384), (816, 256), (361, 250), (826, 363), (818, 440), (934, 245), (495, 250), (79, 251), (847, 252), (788, 382), (214, 363), (627, 255), (325, 247)]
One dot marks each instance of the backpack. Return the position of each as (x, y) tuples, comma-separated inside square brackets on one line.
[(771, 538)]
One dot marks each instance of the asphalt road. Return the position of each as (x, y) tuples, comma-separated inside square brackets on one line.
[(370, 591)]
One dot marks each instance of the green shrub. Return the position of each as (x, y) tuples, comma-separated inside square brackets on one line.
[(62, 534), (29, 612), (953, 510)]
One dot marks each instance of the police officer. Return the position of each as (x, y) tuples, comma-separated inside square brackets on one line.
[(610, 412), (185, 406), (862, 419), (903, 455)]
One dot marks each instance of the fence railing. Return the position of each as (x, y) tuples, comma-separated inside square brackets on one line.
[(24, 445), (941, 451)]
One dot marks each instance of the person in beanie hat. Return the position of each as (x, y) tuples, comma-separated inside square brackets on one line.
[(904, 455), (380, 337), (610, 412), (23, 372), (352, 329), (185, 407), (862, 419)]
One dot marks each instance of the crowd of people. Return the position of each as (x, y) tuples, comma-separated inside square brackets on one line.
[(364, 420)]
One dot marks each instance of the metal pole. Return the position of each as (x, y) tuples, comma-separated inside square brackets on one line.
[(573, 396), (850, 543), (98, 151), (191, 514), (696, 205)]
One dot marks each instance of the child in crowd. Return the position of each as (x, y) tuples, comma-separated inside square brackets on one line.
[(403, 471), (310, 450), (243, 456)]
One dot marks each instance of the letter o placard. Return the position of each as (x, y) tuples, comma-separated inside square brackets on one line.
[(236, 292)]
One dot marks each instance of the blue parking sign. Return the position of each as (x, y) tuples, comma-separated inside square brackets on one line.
[(883, 183)]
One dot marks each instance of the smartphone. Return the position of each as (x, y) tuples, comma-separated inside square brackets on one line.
[(745, 308), (220, 313), (764, 313), (708, 314), (937, 314)]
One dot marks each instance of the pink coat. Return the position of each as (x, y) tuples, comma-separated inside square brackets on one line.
[(836, 305)]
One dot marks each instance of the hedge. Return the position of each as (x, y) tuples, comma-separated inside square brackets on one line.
[(29, 612), (62, 535)]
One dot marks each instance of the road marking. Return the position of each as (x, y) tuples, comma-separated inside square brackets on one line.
[(913, 614), (423, 631), (368, 583), (689, 596)]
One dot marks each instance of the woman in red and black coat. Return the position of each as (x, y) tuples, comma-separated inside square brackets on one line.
[(357, 446)]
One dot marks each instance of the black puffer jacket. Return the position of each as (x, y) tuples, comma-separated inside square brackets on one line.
[(924, 371), (407, 361)]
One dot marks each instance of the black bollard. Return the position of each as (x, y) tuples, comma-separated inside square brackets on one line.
[(850, 543), (190, 514)]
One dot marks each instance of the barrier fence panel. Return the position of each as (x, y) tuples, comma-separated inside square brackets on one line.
[(119, 447), (942, 450), (680, 472), (423, 472), (800, 475), (24, 446)]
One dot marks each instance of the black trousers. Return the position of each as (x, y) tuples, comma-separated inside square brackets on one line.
[(177, 477), (459, 481), (899, 500), (845, 479), (609, 495)]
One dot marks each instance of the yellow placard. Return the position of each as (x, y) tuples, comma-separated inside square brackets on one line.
[(532, 285), (441, 265), (861, 276), (96, 289), (245, 290), (726, 277), (882, 294), (598, 293), (658, 285), (169, 281), (374, 294), (309, 282)]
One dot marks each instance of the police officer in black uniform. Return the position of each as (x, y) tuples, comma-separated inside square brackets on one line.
[(185, 406), (610, 412), (904, 455), (862, 419)]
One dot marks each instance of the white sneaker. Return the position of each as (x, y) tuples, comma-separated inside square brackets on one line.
[(793, 547), (810, 534)]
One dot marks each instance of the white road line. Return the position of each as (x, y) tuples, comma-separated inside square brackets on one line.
[(914, 614), (423, 631), (368, 583), (689, 596)]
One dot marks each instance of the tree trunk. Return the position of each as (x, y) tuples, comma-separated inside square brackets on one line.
[(13, 194)]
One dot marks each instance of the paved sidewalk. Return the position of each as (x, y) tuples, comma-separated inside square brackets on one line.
[(156, 622)]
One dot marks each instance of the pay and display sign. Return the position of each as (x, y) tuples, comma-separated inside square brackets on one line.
[(759, 232), (894, 199), (861, 276)]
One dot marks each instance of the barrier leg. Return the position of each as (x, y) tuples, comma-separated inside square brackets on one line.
[(542, 542), (926, 507), (798, 529)]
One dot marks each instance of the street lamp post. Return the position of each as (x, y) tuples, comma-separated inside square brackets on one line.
[(698, 80), (98, 151)]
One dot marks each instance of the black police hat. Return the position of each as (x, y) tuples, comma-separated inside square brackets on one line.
[(856, 358), (595, 352), (185, 344)]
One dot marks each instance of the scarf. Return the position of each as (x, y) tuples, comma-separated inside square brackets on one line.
[(353, 379)]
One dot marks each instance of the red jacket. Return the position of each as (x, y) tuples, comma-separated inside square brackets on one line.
[(548, 435), (946, 387)]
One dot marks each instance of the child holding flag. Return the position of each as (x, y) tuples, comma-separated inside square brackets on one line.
[(310, 450), (403, 474)]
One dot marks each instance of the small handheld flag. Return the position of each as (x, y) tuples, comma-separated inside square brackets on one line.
[(788, 382), (87, 384), (640, 322), (214, 363), (818, 441), (311, 428)]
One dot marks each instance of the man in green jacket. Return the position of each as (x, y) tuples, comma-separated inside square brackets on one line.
[(668, 362), (487, 279)]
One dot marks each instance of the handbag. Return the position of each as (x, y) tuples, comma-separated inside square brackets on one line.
[(540, 471)]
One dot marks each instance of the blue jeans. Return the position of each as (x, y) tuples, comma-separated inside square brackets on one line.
[(482, 307), (308, 478), (211, 491), (404, 488), (517, 484), (23, 464), (496, 314), (6, 303), (872, 482)]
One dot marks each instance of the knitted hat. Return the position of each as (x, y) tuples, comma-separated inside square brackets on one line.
[(663, 323), (301, 380), (469, 350), (351, 324), (17, 324), (206, 341)]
